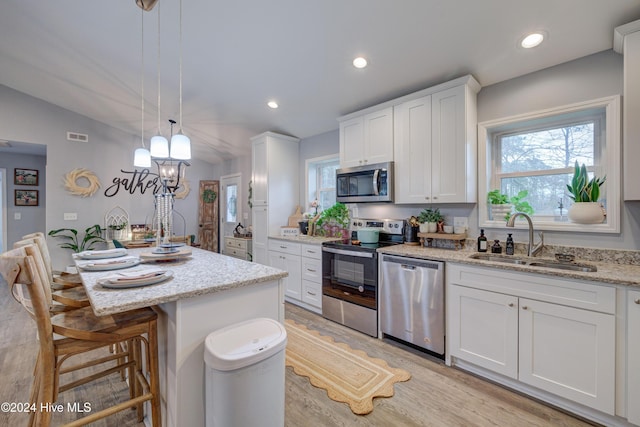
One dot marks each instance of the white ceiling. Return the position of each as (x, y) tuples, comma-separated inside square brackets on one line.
[(85, 56)]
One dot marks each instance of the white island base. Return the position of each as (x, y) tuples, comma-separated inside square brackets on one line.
[(183, 326)]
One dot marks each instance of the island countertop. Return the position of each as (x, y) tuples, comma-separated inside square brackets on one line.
[(202, 273)]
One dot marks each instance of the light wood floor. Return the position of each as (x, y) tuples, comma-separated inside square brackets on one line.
[(435, 396)]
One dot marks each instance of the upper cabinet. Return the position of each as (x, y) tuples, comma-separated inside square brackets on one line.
[(430, 135), (435, 146), (367, 138)]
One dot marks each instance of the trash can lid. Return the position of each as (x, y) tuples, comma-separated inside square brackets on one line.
[(243, 344)]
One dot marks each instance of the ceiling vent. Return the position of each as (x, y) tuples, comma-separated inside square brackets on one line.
[(77, 137)]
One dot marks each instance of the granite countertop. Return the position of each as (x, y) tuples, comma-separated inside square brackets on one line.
[(202, 273), (608, 271), (303, 238)]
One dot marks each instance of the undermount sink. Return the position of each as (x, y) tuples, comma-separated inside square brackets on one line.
[(546, 264), (498, 258), (565, 266)]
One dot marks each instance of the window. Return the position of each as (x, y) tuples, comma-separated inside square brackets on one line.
[(537, 152), (321, 181)]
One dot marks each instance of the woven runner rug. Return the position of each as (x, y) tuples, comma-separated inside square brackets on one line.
[(348, 375)]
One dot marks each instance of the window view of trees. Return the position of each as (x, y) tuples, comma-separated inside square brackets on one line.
[(326, 189), (541, 161)]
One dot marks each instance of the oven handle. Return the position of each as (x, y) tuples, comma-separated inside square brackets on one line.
[(349, 253)]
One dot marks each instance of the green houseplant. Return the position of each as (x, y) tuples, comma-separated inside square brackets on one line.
[(334, 222), (429, 219), (92, 235), (503, 204), (585, 193)]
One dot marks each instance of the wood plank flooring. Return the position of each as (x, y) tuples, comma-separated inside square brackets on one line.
[(435, 396)]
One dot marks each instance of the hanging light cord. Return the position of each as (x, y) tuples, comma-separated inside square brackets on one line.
[(181, 67), (159, 69), (142, 75)]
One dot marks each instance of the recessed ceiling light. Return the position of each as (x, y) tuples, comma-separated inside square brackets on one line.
[(360, 62), (272, 104), (532, 40)]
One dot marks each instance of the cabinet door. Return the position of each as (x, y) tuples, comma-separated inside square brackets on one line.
[(290, 264), (260, 171), (569, 352), (260, 225), (483, 328), (449, 152), (412, 151), (378, 136), (633, 357), (352, 142)]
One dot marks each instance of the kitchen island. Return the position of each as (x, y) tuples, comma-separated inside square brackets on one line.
[(208, 291)]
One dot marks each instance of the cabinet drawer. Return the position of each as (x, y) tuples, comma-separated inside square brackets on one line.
[(230, 242), (565, 291), (311, 251), (283, 246), (312, 269), (312, 293), (238, 253)]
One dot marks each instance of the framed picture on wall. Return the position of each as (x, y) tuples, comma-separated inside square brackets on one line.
[(26, 197), (25, 176)]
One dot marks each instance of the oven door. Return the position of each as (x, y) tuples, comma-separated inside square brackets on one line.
[(350, 276)]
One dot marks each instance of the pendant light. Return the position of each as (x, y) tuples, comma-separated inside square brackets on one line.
[(159, 145), (180, 143), (142, 157)]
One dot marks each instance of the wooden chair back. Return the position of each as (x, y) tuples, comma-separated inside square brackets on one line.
[(41, 241), (31, 248)]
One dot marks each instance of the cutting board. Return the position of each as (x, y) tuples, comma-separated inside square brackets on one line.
[(295, 218)]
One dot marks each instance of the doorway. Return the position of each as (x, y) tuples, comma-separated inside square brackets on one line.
[(231, 204)]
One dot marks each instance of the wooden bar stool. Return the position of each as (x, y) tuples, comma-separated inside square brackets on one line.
[(74, 297), (59, 279), (79, 332)]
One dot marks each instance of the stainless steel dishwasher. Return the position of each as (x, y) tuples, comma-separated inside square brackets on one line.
[(412, 301)]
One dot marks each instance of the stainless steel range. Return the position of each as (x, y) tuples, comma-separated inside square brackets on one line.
[(350, 275)]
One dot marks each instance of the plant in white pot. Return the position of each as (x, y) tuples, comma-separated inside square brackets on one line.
[(502, 205), (585, 193), (429, 219)]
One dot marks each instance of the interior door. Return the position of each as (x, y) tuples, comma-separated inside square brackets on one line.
[(208, 202), (231, 197)]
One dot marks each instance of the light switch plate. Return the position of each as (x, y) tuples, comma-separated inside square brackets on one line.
[(17, 216), (460, 221), (70, 216)]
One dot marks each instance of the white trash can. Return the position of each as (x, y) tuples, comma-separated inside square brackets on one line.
[(245, 374)]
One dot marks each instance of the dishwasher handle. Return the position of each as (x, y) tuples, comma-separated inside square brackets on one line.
[(413, 263)]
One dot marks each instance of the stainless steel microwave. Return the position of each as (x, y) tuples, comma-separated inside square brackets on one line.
[(362, 184)]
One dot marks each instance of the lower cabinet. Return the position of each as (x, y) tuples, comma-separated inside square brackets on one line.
[(552, 334), (633, 357), (303, 262), (237, 247)]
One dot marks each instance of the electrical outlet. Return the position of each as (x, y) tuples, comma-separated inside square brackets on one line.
[(70, 216), (460, 221)]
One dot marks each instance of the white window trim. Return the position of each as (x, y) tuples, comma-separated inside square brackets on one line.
[(307, 163), (610, 158)]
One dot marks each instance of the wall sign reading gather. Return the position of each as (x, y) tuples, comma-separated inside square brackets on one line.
[(133, 181)]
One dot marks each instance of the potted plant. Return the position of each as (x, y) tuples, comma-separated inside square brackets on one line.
[(585, 193), (502, 205), (92, 235), (334, 222), (429, 219)]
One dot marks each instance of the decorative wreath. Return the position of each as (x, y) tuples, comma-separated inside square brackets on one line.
[(71, 182), (183, 190)]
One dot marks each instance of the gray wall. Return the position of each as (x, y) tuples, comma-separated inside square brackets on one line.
[(30, 216)]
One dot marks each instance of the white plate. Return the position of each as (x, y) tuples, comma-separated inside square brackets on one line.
[(129, 281), (109, 253), (112, 265)]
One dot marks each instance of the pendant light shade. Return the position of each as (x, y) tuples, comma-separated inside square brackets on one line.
[(180, 147), (142, 158), (159, 146)]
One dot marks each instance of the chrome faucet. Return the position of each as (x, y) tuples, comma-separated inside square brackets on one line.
[(532, 249)]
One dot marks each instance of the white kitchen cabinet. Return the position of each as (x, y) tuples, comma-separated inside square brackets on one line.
[(238, 247), (367, 138), (275, 187), (633, 356), (286, 256), (557, 335), (312, 276), (435, 146)]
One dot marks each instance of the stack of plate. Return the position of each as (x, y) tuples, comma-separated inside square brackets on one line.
[(134, 279)]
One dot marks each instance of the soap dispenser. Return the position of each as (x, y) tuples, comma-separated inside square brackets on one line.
[(510, 246), (482, 242)]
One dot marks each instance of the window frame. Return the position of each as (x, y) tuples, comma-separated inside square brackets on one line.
[(608, 152), (308, 164)]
